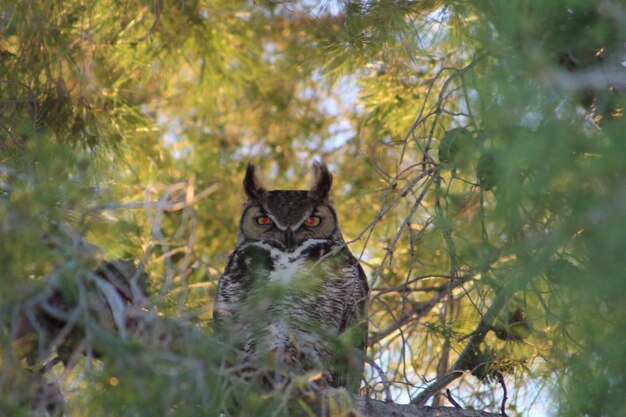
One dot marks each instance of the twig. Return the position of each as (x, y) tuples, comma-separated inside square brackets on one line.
[(157, 17), (417, 310), (448, 395), (477, 337), (504, 396), (396, 238), (384, 210), (383, 378), (160, 205), (404, 287)]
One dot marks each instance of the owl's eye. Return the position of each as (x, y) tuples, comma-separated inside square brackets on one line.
[(264, 221), (313, 221)]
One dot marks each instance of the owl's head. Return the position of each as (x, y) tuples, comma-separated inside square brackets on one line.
[(287, 218)]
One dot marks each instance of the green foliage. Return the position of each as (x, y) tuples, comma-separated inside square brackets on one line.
[(479, 166)]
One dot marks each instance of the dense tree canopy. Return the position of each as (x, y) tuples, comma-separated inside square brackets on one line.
[(480, 174)]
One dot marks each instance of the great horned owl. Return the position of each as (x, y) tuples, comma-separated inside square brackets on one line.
[(292, 291)]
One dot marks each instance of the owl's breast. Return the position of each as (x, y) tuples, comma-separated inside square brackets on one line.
[(285, 269)]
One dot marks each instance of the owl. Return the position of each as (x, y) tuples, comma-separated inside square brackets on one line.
[(292, 292)]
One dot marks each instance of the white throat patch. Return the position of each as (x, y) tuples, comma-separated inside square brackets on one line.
[(286, 265)]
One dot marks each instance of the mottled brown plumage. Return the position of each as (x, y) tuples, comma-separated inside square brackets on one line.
[(292, 292)]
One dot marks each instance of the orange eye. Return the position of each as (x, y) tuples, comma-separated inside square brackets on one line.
[(264, 220), (313, 221)]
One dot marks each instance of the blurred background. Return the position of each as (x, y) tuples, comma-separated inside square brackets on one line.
[(479, 159)]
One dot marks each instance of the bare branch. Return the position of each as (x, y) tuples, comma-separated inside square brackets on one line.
[(416, 310), (464, 360)]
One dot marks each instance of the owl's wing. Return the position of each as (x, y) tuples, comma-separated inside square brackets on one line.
[(246, 264), (357, 315), (227, 296), (353, 331)]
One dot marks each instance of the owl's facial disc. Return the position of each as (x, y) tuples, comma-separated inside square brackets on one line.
[(287, 218), (288, 227)]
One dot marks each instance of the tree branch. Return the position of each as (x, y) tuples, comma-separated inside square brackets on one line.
[(374, 408), (415, 311), (465, 359)]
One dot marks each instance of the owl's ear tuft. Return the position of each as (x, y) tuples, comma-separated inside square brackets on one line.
[(323, 182), (251, 184)]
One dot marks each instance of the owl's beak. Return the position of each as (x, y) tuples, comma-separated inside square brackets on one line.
[(289, 239)]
